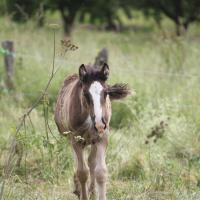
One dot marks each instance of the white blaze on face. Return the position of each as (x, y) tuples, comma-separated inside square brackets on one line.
[(95, 91)]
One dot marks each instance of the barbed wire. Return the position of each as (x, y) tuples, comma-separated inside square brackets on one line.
[(157, 73), (135, 70), (176, 104), (38, 57), (9, 163)]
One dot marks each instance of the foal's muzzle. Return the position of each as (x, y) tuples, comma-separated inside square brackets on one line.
[(100, 126)]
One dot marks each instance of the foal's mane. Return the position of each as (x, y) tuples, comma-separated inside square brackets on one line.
[(70, 79), (118, 91)]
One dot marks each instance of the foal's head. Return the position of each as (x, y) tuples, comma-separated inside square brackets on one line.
[(96, 94)]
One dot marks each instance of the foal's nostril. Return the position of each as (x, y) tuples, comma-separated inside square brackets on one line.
[(103, 120), (95, 126), (100, 127), (93, 118)]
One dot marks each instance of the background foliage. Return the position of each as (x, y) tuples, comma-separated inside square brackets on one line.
[(154, 147), (104, 13)]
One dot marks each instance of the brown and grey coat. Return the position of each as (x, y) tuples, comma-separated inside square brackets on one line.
[(84, 109)]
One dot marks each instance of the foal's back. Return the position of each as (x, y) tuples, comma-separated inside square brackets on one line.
[(65, 99)]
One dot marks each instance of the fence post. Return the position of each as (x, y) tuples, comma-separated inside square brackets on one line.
[(9, 63)]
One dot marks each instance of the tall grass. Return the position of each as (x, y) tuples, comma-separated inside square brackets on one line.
[(164, 72)]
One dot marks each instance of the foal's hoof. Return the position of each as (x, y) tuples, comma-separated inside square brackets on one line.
[(92, 196), (92, 193), (77, 193)]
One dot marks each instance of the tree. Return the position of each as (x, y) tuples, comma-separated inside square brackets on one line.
[(22, 10), (68, 10), (3, 8), (181, 12), (103, 11)]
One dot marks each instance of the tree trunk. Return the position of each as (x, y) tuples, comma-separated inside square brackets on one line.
[(186, 26), (178, 26), (111, 25), (178, 13), (40, 21), (68, 21), (178, 29)]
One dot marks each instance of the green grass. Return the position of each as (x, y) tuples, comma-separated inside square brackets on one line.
[(163, 72)]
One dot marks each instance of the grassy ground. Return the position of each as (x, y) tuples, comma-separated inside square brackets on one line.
[(154, 149)]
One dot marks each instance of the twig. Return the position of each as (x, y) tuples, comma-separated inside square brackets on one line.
[(20, 9), (8, 164), (31, 122), (25, 163)]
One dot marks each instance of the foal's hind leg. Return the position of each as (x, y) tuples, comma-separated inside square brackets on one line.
[(77, 189), (82, 169)]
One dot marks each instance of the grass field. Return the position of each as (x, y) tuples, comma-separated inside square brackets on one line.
[(154, 148)]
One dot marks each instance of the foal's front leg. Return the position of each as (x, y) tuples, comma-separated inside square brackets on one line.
[(82, 169), (92, 165), (101, 168)]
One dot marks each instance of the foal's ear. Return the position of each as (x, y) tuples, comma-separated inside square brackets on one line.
[(118, 91), (82, 72), (104, 72)]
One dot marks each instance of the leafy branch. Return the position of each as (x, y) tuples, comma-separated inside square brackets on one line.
[(15, 146)]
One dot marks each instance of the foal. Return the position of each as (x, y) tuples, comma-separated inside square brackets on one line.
[(84, 108)]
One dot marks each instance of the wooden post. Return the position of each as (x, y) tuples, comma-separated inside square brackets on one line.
[(9, 63)]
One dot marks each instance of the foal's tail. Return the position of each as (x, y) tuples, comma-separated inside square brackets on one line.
[(102, 57)]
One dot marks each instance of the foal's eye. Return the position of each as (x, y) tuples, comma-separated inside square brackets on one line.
[(105, 94), (87, 96)]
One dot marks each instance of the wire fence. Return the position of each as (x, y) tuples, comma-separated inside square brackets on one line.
[(138, 72), (177, 104), (135, 70)]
